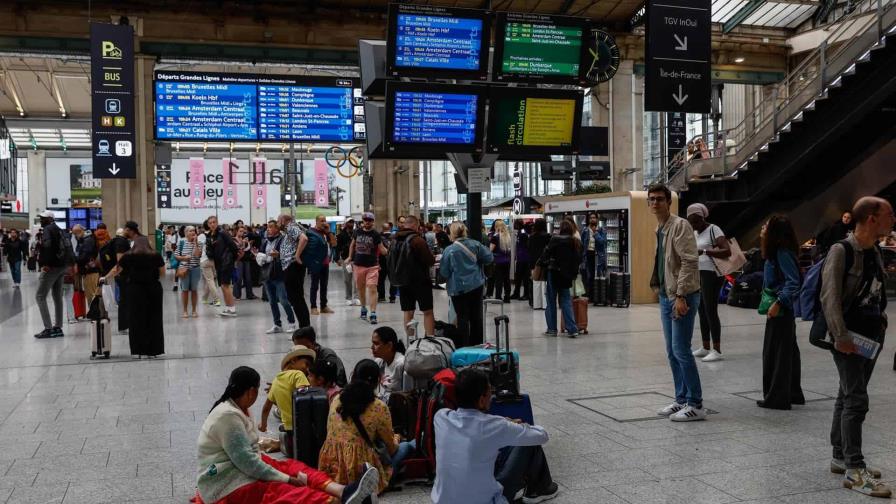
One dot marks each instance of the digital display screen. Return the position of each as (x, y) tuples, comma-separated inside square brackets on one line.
[(205, 111), (308, 113), (452, 42), (535, 47), (538, 120), (77, 213), (440, 117)]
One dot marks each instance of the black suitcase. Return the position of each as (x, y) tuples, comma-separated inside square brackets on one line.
[(600, 291), (32, 263), (620, 289), (310, 408), (504, 366)]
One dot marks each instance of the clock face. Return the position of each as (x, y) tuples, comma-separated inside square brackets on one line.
[(603, 57)]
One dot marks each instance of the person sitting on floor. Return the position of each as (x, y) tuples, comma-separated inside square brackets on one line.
[(388, 352), (487, 459), (308, 337), (323, 374), (359, 430), (293, 375), (232, 469)]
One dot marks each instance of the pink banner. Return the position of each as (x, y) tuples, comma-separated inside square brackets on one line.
[(259, 188), (230, 171), (321, 184), (197, 183)]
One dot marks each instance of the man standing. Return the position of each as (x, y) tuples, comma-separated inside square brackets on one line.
[(52, 260), (291, 248), (364, 253), (853, 301), (320, 279), (594, 239), (386, 234), (222, 250), (343, 244), (676, 280), (415, 285), (207, 266), (272, 271), (88, 264)]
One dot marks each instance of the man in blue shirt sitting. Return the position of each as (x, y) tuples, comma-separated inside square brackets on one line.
[(487, 459)]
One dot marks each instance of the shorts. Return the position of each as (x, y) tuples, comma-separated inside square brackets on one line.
[(370, 274), (225, 275), (191, 281), (412, 296)]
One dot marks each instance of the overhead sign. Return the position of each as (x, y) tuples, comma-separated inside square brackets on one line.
[(112, 90), (678, 56), (479, 180), (163, 186), (676, 134)]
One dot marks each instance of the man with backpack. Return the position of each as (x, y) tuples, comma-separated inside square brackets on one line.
[(409, 262), (853, 301), (367, 246), (55, 257)]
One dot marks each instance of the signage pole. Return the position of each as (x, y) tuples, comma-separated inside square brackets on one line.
[(291, 169)]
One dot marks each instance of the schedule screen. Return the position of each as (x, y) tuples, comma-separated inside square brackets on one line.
[(546, 121), (434, 118), (425, 41), (205, 111), (307, 113), (539, 47)]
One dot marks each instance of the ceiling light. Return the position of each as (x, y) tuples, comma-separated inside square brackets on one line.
[(739, 59)]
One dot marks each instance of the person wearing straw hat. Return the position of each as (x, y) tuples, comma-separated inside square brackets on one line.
[(293, 375), (711, 243)]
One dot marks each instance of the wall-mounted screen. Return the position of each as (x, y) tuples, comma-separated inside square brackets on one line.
[(527, 121), (247, 107), (428, 41), (433, 118), (537, 48)]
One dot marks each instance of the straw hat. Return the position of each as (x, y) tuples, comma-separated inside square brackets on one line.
[(297, 351)]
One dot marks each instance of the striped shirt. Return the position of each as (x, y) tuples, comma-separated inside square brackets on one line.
[(186, 248)]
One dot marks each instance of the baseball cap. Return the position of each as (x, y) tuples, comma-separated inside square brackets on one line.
[(367, 216), (47, 214)]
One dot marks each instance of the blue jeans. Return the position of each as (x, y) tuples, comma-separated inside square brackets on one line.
[(405, 448), (15, 269), (277, 294), (550, 312), (678, 333)]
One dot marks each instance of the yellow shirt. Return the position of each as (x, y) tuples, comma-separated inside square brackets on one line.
[(281, 393)]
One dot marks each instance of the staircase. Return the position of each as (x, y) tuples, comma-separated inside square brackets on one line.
[(831, 114)]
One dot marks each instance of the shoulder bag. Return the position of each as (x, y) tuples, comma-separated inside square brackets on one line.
[(732, 263), (379, 447), (181, 268)]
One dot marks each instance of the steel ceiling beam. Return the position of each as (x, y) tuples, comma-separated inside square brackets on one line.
[(740, 16), (564, 9)]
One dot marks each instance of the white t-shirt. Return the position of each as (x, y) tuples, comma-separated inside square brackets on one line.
[(201, 240), (393, 376), (705, 241)]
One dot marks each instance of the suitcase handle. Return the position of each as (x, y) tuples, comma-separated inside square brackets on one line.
[(498, 320), (485, 304)]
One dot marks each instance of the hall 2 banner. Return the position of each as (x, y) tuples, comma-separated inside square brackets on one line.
[(321, 184), (196, 181), (259, 188), (230, 170)]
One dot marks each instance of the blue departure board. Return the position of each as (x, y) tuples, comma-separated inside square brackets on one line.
[(306, 113), (439, 42), (434, 118), (187, 110)]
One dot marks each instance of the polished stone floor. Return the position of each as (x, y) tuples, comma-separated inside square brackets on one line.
[(73, 430)]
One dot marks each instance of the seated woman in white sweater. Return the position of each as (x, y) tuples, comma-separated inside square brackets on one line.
[(232, 469)]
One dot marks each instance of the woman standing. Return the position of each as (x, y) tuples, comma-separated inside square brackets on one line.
[(232, 469), (461, 266), (500, 244), (142, 268), (537, 243), (16, 251), (711, 242), (561, 258), (523, 268), (188, 254), (780, 353)]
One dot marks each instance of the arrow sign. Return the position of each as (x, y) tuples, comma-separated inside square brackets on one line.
[(114, 170), (679, 98), (678, 50), (682, 44)]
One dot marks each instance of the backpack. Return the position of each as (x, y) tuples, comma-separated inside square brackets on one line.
[(807, 303), (426, 356), (66, 254), (440, 394), (400, 261), (315, 252)]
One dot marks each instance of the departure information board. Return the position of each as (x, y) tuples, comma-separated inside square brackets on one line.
[(534, 121), (539, 48), (430, 115), (451, 41), (245, 107)]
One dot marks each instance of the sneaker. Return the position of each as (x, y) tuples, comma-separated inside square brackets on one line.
[(349, 302), (57, 332), (838, 466), (713, 356), (671, 409), (356, 302), (700, 353), (359, 491), (326, 309), (573, 334), (227, 312), (373, 318), (315, 311), (217, 302), (16, 286), (274, 330), (363, 313), (550, 333), (46, 333), (689, 414), (545, 495), (861, 480)]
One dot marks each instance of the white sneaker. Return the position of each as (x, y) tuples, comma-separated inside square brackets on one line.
[(713, 356), (349, 302), (701, 352), (16, 286), (274, 329), (689, 414), (671, 409), (356, 302), (227, 312)]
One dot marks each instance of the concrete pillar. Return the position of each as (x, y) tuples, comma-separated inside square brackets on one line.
[(626, 119), (37, 184), (396, 189)]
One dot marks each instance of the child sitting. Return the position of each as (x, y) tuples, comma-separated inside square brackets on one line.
[(306, 336), (323, 374), (293, 375)]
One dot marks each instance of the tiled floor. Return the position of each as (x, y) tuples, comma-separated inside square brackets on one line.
[(75, 431)]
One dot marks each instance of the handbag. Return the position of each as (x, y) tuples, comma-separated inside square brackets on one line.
[(732, 263), (769, 297), (578, 288), (181, 272), (538, 274), (379, 447)]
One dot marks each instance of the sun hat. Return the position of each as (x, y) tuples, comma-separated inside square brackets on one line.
[(297, 351)]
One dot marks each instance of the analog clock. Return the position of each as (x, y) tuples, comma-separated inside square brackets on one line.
[(603, 57)]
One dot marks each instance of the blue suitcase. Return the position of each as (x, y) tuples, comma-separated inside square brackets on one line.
[(520, 409)]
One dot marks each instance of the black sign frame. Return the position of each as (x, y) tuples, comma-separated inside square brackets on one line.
[(527, 153), (503, 18), (113, 115)]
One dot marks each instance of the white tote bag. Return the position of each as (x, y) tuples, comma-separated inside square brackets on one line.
[(539, 295)]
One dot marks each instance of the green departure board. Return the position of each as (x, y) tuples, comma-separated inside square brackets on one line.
[(541, 49)]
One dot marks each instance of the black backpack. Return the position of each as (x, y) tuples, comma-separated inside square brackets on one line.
[(400, 261)]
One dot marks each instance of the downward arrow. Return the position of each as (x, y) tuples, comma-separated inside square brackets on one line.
[(114, 170), (682, 45), (679, 98)]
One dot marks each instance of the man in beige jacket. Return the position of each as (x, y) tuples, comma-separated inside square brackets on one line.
[(676, 280)]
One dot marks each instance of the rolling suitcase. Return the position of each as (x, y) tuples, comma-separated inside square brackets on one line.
[(580, 310), (519, 409), (600, 291), (100, 338), (505, 364), (620, 289), (310, 408)]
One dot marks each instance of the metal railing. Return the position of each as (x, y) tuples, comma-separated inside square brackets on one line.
[(850, 40)]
